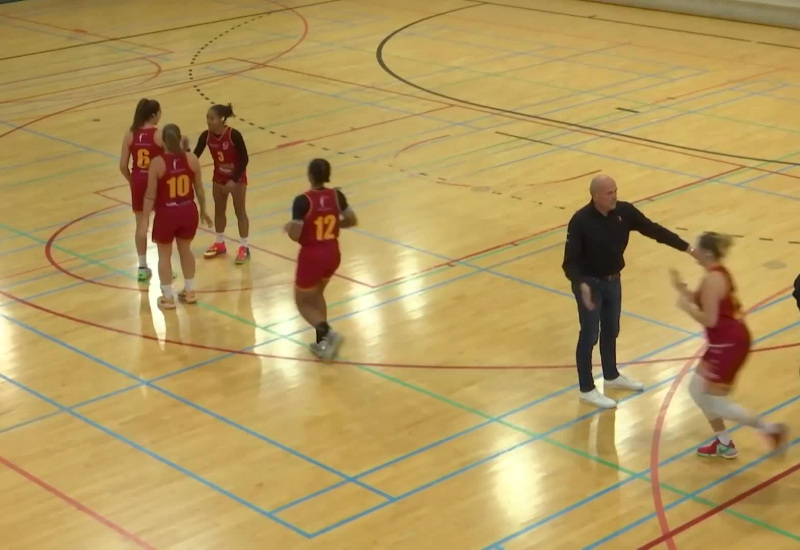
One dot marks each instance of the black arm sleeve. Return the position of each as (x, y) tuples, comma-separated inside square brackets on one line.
[(300, 208), (201, 144), (573, 249), (648, 228), (241, 151), (342, 200)]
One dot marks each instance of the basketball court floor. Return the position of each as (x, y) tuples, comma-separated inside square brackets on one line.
[(464, 134)]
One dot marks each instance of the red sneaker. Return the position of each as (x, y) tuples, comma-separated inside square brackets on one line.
[(215, 249), (716, 449)]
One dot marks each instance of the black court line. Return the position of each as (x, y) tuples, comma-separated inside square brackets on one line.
[(171, 29), (379, 54)]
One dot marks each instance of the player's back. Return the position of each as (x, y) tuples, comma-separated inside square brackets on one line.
[(176, 186), (730, 321), (321, 223), (144, 148)]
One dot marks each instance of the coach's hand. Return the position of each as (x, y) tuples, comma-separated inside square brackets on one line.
[(586, 294)]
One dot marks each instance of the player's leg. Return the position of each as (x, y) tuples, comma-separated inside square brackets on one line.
[(144, 273), (184, 235), (610, 315), (328, 340), (138, 189), (220, 195), (167, 299), (712, 398), (239, 208)]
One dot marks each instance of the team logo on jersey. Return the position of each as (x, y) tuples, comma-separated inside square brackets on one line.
[(175, 164), (225, 145), (322, 202)]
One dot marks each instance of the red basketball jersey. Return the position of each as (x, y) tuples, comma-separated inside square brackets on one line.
[(176, 186), (226, 158), (321, 224), (143, 148), (730, 322)]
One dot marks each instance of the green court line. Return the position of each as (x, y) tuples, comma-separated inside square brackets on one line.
[(441, 398)]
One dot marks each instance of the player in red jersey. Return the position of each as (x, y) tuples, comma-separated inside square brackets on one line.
[(230, 177), (174, 180), (143, 142), (317, 216), (716, 306)]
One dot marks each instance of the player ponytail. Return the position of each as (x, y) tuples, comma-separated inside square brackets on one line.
[(172, 138), (145, 110), (716, 244), (319, 172), (223, 111)]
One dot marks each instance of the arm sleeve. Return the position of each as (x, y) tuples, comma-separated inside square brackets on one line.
[(300, 208), (342, 200), (201, 144), (641, 223), (241, 151), (573, 249)]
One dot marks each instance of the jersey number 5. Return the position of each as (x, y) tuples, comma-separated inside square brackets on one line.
[(178, 186), (142, 159), (325, 227)]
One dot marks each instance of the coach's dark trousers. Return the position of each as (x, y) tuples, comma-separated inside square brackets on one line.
[(602, 321)]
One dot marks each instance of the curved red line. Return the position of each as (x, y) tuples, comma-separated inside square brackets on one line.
[(566, 179), (655, 445), (48, 252)]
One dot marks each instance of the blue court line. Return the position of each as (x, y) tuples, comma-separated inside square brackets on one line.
[(54, 138), (491, 271), (538, 437), (142, 448), (198, 407), (55, 290), (80, 38), (640, 475)]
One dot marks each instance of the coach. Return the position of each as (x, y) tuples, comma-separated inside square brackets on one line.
[(597, 236)]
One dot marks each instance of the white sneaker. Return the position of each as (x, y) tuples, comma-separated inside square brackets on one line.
[(597, 399), (624, 383)]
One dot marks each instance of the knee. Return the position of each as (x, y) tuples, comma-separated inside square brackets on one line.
[(588, 335)]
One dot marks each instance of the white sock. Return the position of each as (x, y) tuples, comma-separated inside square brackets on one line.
[(244, 242), (142, 260), (166, 290), (189, 286), (724, 437), (220, 237)]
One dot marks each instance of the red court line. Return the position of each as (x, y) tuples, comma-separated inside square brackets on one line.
[(721, 507), (150, 76), (564, 180), (533, 121), (48, 252), (350, 130), (87, 33), (75, 504), (658, 429), (78, 70), (195, 345), (155, 74), (543, 231)]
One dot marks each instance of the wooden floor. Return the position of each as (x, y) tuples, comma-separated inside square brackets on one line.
[(464, 134)]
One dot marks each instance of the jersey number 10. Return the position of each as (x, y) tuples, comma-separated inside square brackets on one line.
[(179, 186), (325, 227)]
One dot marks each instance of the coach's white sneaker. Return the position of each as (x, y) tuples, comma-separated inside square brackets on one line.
[(623, 383), (597, 399)]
